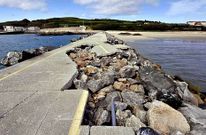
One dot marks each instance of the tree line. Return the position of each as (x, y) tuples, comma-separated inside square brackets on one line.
[(105, 24)]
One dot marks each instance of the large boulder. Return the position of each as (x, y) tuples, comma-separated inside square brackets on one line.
[(165, 119), (127, 72), (155, 78), (105, 79), (134, 122), (101, 117), (187, 96), (160, 86), (197, 117), (80, 82), (132, 98)]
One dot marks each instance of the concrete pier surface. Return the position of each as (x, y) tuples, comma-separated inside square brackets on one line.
[(31, 100)]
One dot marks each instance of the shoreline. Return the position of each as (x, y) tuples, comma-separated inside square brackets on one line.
[(149, 41), (156, 35)]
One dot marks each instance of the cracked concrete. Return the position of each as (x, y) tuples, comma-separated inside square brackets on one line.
[(31, 100)]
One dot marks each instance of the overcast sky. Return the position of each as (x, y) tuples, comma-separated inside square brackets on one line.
[(160, 10)]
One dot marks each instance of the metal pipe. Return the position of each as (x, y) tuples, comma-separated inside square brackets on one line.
[(113, 113)]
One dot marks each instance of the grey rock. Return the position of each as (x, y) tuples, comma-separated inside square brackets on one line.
[(106, 103), (160, 86), (107, 89), (105, 79), (155, 78), (137, 88), (147, 105), (123, 54), (11, 58), (108, 78), (121, 117), (140, 113), (186, 95), (95, 85), (95, 63), (196, 117), (133, 81), (118, 106), (134, 122), (127, 72), (105, 61), (81, 83), (132, 98), (101, 116)]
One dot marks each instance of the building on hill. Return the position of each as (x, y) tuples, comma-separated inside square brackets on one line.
[(197, 23), (13, 29), (32, 29)]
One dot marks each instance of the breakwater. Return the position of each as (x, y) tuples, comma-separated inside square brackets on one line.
[(120, 81), (124, 89)]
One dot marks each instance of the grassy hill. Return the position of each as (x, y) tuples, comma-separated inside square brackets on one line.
[(103, 24)]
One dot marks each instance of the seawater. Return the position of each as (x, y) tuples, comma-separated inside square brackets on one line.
[(28, 41), (182, 57)]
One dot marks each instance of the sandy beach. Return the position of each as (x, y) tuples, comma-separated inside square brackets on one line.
[(156, 35)]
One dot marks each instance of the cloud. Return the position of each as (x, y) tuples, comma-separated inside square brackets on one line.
[(24, 4), (182, 7), (115, 7)]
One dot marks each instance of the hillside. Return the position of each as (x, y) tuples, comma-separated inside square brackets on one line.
[(104, 24)]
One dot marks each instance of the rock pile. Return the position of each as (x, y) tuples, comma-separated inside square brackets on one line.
[(15, 57), (113, 40), (143, 95)]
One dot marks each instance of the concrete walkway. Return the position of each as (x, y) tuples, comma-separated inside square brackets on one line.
[(31, 100), (106, 130)]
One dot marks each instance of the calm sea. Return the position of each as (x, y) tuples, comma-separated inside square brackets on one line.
[(183, 57), (29, 41)]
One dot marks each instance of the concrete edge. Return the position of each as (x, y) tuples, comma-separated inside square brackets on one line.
[(77, 119)]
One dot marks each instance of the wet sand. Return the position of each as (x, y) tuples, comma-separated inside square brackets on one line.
[(156, 35)]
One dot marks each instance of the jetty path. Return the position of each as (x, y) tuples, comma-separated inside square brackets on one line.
[(31, 98)]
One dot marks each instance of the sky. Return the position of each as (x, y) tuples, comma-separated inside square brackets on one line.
[(171, 11)]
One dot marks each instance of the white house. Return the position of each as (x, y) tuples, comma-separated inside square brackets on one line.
[(9, 28), (197, 23), (13, 29)]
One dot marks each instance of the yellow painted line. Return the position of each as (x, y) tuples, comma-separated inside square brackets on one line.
[(28, 66), (104, 49), (76, 122)]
